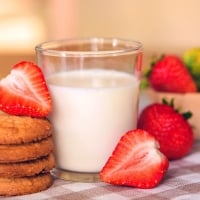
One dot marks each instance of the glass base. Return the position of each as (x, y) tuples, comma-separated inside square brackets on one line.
[(75, 176)]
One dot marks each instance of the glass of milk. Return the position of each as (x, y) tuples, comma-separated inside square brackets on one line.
[(94, 84)]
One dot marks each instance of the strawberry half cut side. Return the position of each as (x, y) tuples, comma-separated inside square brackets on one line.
[(136, 161), (24, 91)]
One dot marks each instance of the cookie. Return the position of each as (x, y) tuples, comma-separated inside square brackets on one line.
[(23, 129), (25, 185), (28, 168), (25, 152)]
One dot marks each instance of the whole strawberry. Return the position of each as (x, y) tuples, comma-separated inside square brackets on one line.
[(169, 74), (170, 128)]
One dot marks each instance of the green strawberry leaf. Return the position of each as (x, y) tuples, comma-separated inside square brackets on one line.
[(187, 115)]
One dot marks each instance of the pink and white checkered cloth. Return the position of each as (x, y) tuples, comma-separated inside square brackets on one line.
[(182, 182)]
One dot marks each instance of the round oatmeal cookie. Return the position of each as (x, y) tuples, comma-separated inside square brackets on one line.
[(25, 152), (25, 185), (28, 168), (23, 129)]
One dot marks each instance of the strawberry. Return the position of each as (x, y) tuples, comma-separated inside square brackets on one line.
[(24, 91), (169, 74), (136, 161), (170, 128)]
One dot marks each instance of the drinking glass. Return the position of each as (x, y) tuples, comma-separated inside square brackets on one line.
[(94, 84)]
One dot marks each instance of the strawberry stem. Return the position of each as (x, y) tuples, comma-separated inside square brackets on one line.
[(171, 103)]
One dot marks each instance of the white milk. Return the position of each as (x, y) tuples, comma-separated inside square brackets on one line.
[(92, 110)]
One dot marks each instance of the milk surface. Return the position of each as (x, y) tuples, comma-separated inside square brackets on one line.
[(92, 110)]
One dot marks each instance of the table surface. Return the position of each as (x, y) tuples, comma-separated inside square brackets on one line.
[(182, 182)]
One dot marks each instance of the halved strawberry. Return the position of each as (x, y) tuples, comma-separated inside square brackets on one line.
[(136, 161), (24, 91)]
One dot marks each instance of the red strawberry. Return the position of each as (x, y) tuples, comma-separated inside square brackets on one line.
[(24, 91), (136, 161), (170, 128), (169, 74)]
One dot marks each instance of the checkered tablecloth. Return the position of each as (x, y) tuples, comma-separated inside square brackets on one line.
[(182, 182)]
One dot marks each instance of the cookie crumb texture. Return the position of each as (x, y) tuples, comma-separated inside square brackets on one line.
[(26, 155), (24, 152), (25, 185), (18, 129)]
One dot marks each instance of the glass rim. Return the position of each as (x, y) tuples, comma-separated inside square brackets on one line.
[(129, 47)]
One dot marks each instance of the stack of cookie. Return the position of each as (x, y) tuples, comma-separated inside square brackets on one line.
[(26, 157)]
